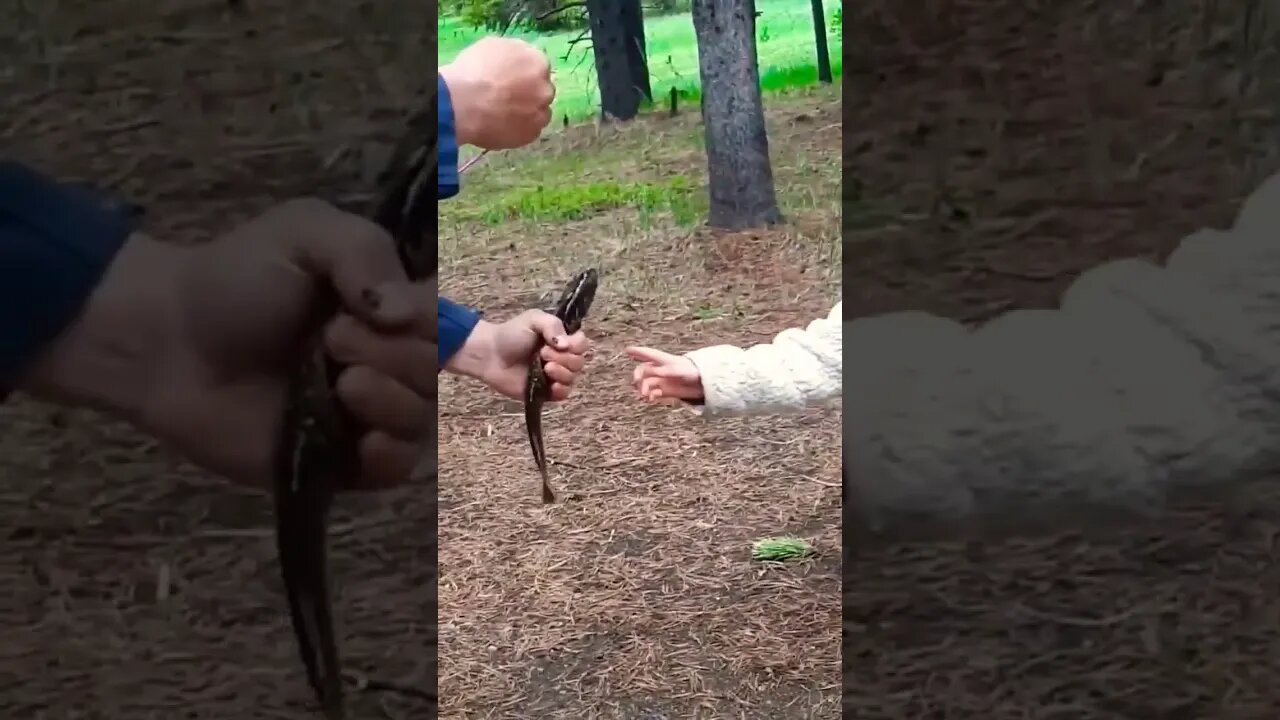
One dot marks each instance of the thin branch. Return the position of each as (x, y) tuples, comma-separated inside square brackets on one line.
[(584, 36), (556, 11)]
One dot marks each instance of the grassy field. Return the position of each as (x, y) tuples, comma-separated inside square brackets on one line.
[(784, 37)]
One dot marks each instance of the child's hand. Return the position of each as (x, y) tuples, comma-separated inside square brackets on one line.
[(662, 376)]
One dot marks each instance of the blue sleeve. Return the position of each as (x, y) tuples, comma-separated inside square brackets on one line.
[(56, 242), (456, 323), (447, 139)]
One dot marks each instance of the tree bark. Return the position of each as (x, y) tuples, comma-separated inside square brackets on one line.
[(741, 176), (621, 69), (820, 42), (637, 51)]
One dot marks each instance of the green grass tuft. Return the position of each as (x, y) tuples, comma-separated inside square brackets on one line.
[(780, 549), (579, 201)]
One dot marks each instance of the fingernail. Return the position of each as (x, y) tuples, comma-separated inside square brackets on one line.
[(559, 342)]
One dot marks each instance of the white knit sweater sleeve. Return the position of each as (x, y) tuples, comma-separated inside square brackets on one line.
[(800, 368), (1148, 380)]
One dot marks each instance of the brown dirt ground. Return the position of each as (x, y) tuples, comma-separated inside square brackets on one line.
[(999, 150)]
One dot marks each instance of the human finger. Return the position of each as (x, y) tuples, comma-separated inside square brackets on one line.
[(649, 355), (541, 63), (650, 385), (675, 371), (408, 359), (350, 253), (408, 305), (385, 461), (378, 401), (549, 328), (560, 374), (642, 371), (575, 344), (560, 392), (573, 361)]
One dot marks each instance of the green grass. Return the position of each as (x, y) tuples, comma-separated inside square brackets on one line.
[(772, 80), (578, 201), (632, 200), (643, 184), (784, 44), (780, 549)]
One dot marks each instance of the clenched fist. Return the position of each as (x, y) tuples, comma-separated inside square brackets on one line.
[(501, 91)]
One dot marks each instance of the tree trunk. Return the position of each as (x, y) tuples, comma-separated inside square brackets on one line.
[(820, 42), (741, 177), (637, 52), (621, 70)]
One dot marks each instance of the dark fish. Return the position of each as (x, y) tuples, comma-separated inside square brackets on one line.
[(318, 447), (572, 309)]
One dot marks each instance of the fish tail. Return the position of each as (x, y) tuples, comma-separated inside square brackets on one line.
[(301, 537), (533, 422), (303, 557)]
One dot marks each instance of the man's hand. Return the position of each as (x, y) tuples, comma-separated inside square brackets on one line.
[(197, 344), (498, 354), (501, 91)]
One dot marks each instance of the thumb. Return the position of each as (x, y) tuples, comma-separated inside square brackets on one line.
[(396, 306), (352, 255), (654, 357), (549, 328)]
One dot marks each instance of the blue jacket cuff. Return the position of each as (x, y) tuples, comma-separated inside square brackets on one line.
[(456, 323), (56, 242), (447, 183)]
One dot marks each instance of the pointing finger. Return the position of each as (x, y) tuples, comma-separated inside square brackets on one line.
[(649, 355)]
